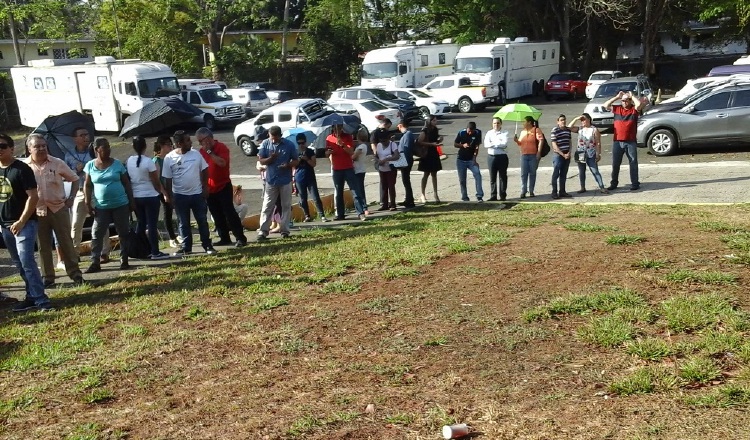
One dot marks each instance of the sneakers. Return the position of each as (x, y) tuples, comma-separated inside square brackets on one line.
[(324, 219), (94, 268), (174, 243), (555, 196), (635, 187), (603, 190), (362, 217), (523, 195), (612, 187), (124, 265), (77, 281), (565, 195), (307, 219), (210, 250), (284, 235), (104, 259), (49, 283), (181, 253), (262, 237), (159, 256), (60, 265), (29, 304), (480, 200), (222, 243), (240, 243)]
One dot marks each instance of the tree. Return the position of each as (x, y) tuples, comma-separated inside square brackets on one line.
[(732, 16)]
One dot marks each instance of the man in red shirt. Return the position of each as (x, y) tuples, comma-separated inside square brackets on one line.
[(220, 194), (626, 122), (339, 149)]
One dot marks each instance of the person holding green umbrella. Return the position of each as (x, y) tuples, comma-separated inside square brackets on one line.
[(530, 141)]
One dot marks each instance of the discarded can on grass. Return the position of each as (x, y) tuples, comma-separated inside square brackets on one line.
[(455, 431)]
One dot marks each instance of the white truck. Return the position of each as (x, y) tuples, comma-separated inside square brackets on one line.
[(517, 67), (208, 96), (408, 64), (106, 89), (459, 92)]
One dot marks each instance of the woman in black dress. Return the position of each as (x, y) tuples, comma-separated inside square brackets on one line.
[(430, 164)]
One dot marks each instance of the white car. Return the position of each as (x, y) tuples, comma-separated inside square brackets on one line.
[(693, 85), (597, 78), (428, 105), (369, 112)]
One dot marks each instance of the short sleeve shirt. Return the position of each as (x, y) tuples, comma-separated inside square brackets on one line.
[(561, 136), (50, 177), (109, 193), (140, 178), (185, 171), (218, 177), (474, 140), (15, 180), (626, 123), (287, 152)]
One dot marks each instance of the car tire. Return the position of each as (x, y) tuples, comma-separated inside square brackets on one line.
[(501, 95), (247, 146), (465, 105), (424, 113), (662, 142), (209, 122)]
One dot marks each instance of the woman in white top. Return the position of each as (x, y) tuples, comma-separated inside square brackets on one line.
[(588, 152), (496, 142), (144, 179), (360, 165), (387, 151)]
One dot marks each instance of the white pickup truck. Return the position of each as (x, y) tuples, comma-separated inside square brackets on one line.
[(459, 92)]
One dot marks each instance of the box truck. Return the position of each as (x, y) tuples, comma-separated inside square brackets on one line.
[(106, 89), (408, 64), (518, 67)]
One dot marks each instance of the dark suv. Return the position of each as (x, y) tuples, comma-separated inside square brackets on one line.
[(409, 110), (719, 117)]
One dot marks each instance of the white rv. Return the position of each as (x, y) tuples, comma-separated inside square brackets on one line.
[(517, 67), (107, 89), (408, 64)]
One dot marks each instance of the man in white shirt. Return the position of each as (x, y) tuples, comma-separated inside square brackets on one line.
[(186, 172), (496, 142)]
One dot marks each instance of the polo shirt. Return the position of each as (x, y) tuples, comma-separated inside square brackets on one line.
[(474, 140), (340, 159), (287, 152), (50, 177), (561, 136), (626, 123), (218, 177)]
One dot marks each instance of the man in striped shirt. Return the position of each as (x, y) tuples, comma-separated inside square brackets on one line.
[(560, 138)]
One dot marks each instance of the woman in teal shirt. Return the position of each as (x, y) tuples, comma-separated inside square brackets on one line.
[(109, 198)]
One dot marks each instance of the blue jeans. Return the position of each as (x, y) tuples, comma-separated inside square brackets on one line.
[(528, 172), (618, 149), (147, 214), (559, 172), (359, 178), (339, 178), (461, 167), (183, 204), (21, 250), (307, 181), (594, 167)]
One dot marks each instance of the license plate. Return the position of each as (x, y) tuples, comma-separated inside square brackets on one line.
[(607, 121), (556, 86)]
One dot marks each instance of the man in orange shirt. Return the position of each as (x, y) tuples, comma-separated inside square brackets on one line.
[(220, 192), (52, 209)]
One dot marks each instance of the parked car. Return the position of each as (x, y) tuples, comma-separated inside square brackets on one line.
[(598, 78), (461, 93), (277, 96), (564, 84), (428, 104), (258, 85), (408, 109), (719, 117), (253, 101), (369, 112), (694, 85), (289, 114), (600, 116)]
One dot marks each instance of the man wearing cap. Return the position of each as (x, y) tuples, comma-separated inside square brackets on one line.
[(626, 124)]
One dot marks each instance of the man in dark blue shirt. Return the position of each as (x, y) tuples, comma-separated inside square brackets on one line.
[(405, 147), (468, 141)]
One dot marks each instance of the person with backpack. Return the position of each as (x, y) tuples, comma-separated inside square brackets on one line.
[(531, 143)]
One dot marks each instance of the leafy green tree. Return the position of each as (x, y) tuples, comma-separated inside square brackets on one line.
[(732, 16)]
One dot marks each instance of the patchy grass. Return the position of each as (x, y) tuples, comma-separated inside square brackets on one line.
[(624, 239)]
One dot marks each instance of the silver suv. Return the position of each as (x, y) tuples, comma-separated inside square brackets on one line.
[(720, 117), (603, 119)]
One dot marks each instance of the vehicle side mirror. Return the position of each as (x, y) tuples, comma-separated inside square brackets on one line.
[(689, 109)]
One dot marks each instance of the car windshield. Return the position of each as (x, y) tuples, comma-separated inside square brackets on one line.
[(373, 106), (561, 77), (214, 95), (379, 70), (468, 65), (258, 94), (600, 77), (703, 91), (420, 94), (382, 94), (612, 89), (158, 87)]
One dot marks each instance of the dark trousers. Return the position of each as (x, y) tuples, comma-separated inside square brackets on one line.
[(168, 217), (388, 189), (406, 181), (307, 182), (498, 165), (225, 217), (147, 214)]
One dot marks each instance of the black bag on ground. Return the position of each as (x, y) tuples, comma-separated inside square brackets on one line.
[(138, 245)]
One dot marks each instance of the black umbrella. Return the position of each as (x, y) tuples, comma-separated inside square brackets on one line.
[(158, 115), (58, 131)]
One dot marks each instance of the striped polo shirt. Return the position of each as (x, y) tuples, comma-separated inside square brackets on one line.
[(561, 135)]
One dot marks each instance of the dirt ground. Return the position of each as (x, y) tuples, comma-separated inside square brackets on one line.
[(445, 345)]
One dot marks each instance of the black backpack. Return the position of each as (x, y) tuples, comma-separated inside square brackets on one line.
[(138, 245)]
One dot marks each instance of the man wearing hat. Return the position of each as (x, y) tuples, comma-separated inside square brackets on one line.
[(626, 122)]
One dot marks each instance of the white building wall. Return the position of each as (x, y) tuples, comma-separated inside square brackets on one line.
[(629, 49), (31, 50)]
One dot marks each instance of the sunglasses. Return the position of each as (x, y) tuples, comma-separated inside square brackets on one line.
[(3, 146)]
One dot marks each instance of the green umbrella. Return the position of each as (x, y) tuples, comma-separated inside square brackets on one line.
[(517, 112)]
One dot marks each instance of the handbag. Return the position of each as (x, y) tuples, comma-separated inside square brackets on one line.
[(580, 156), (399, 163)]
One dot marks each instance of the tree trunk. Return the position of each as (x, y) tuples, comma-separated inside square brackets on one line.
[(562, 13), (652, 17), (589, 52), (14, 37), (214, 46)]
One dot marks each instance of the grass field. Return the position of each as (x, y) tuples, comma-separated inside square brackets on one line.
[(533, 322)]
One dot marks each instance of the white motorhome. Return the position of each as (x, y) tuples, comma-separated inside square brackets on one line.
[(106, 89), (408, 64), (518, 67), (208, 96)]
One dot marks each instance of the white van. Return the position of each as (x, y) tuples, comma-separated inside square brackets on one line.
[(213, 100)]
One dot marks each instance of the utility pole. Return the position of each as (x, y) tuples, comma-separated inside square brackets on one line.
[(117, 30), (14, 35), (284, 33)]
